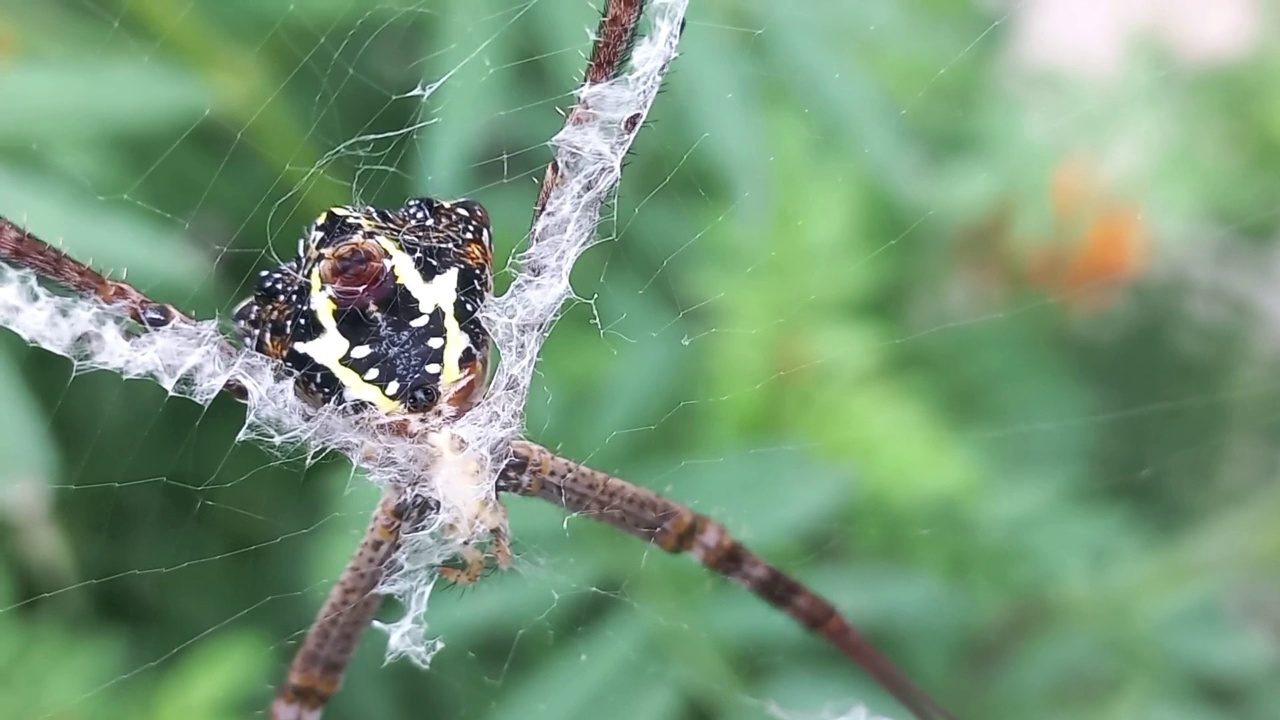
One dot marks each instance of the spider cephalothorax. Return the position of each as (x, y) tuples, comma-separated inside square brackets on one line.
[(381, 306)]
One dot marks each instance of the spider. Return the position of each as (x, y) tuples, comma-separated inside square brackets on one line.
[(377, 313), (380, 309)]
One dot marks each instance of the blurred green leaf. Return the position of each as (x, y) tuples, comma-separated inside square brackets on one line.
[(52, 101), (29, 451), (49, 668), (113, 239), (596, 674), (214, 680)]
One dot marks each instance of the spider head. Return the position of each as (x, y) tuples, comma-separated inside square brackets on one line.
[(380, 306)]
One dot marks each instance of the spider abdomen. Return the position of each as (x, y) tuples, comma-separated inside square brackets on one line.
[(381, 307)]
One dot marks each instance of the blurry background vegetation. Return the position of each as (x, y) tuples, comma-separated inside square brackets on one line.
[(966, 313)]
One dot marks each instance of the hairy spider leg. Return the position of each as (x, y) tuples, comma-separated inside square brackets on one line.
[(21, 248), (615, 39), (538, 472), (318, 666)]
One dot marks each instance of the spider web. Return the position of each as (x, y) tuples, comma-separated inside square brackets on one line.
[(961, 313)]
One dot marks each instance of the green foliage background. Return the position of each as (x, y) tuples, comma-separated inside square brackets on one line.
[(1039, 512)]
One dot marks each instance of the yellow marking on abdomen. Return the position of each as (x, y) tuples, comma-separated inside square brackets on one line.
[(439, 292), (329, 348)]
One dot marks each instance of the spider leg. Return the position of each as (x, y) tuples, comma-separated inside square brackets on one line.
[(615, 39), (473, 567), (474, 559), (26, 250), (317, 668), (537, 472), (501, 548)]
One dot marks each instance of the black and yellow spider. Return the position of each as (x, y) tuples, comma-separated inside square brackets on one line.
[(381, 306)]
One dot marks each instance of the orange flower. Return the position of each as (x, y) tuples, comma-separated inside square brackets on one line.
[(1100, 244)]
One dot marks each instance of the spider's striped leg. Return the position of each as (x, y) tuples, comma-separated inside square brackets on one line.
[(475, 562), (318, 666), (21, 248), (473, 565), (536, 471), (615, 39), (24, 250)]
